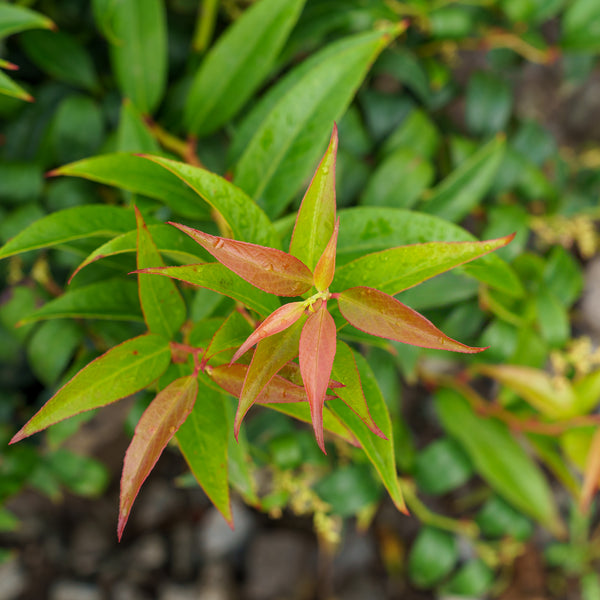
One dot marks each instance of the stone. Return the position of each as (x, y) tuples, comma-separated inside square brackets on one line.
[(12, 580), (74, 590)]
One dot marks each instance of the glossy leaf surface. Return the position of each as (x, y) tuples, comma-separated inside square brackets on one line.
[(163, 307), (238, 63), (276, 160), (159, 423), (203, 440), (277, 321), (139, 51), (317, 351), (316, 216), (217, 277), (68, 225), (397, 269), (268, 269), (325, 269), (122, 371), (379, 314)]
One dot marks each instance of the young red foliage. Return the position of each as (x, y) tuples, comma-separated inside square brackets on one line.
[(317, 351), (277, 321), (268, 269), (156, 427), (380, 314), (325, 268)]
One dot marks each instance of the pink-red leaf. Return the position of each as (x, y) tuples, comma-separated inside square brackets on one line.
[(156, 427), (323, 273), (268, 269), (277, 321), (270, 355), (317, 351), (380, 314)]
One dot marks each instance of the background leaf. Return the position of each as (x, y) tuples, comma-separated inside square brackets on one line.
[(14, 19)]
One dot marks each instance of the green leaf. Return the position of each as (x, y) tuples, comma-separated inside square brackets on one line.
[(371, 229), (203, 440), (133, 134), (14, 19), (587, 392), (139, 52), (141, 176), (114, 299), (238, 63), (157, 425), (499, 459), (163, 307), (168, 240), (231, 334), (552, 318), (68, 225), (398, 269), (81, 475), (472, 580), (581, 26), (379, 451), (464, 188), (416, 133), (489, 103), (9, 88), (122, 371), (316, 216), (51, 348), (497, 519), (432, 557), (245, 219), (219, 278), (398, 181), (285, 146), (63, 58)]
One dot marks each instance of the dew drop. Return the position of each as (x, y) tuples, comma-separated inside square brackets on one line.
[(325, 170), (441, 341), (219, 243), (487, 247), (268, 267)]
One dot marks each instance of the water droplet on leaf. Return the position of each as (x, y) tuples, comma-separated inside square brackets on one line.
[(219, 243)]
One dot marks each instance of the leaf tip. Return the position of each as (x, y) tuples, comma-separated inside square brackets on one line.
[(52, 173), (20, 435)]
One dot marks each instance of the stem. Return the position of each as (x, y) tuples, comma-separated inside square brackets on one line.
[(205, 25)]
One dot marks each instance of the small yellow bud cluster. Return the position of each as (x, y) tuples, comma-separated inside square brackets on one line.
[(578, 230), (579, 355)]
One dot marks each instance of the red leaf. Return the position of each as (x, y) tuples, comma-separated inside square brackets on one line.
[(279, 390), (317, 351), (268, 269), (291, 371), (277, 321), (380, 314), (325, 268), (156, 427)]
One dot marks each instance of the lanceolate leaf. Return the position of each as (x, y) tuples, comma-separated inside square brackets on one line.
[(230, 335), (382, 315), (397, 269), (243, 216), (464, 188), (277, 321), (551, 396), (69, 225), (288, 142), (203, 440), (139, 52), (163, 307), (268, 269), (156, 427), (379, 451), (9, 88), (499, 459), (238, 63), (14, 19), (270, 355), (115, 299), (122, 371), (217, 277), (316, 216), (141, 176), (346, 370), (323, 273), (317, 351), (372, 229)]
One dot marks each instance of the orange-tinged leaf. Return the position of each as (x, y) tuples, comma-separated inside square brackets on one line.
[(317, 351), (323, 273), (278, 391), (277, 321), (291, 371), (270, 355), (268, 269), (156, 427), (377, 313), (316, 216)]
